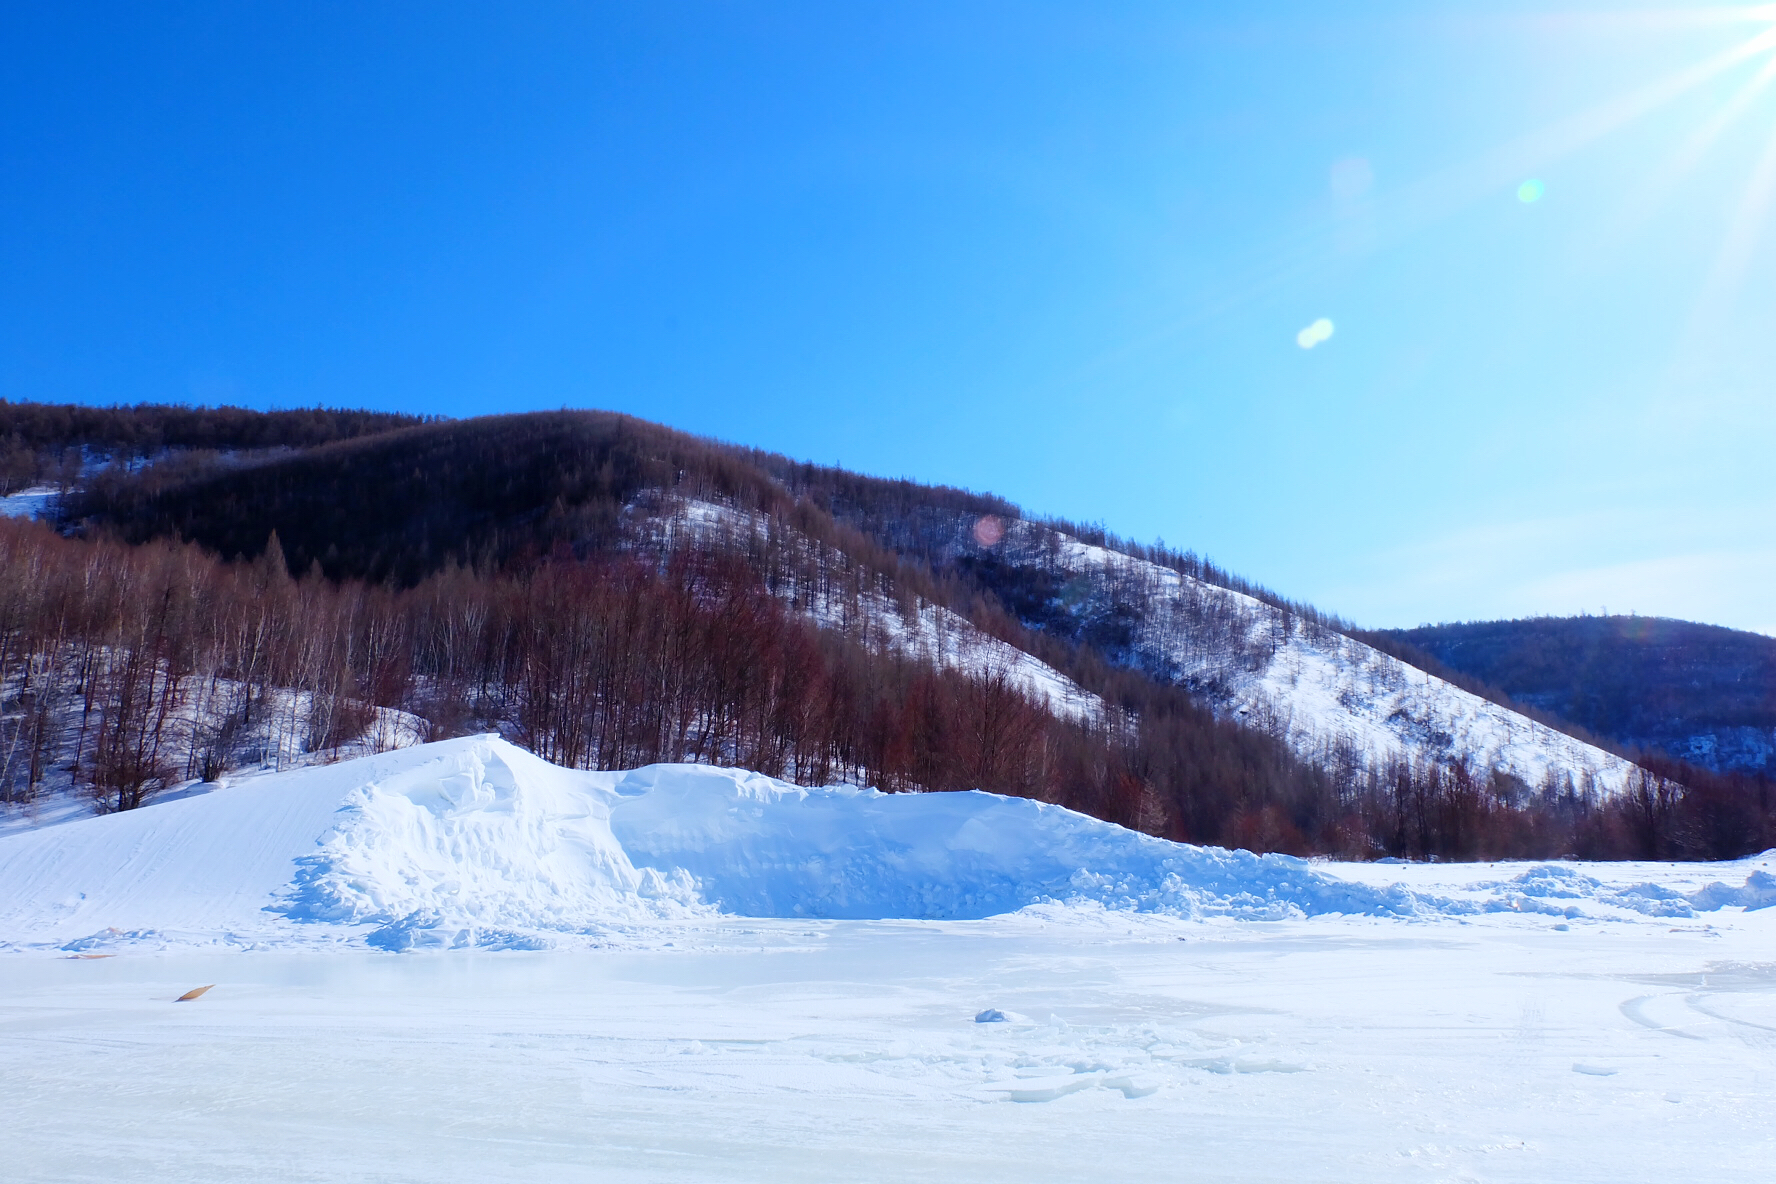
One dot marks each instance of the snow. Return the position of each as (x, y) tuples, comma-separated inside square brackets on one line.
[(277, 739), (1330, 697), (27, 503), (943, 986), (1321, 691), (929, 632), (1330, 1049), (476, 842), (947, 639)]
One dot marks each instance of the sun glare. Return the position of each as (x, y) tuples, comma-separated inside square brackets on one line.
[(1314, 334)]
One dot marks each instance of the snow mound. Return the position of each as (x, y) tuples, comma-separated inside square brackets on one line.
[(764, 848), (475, 842), (1606, 892), (1556, 891), (487, 836)]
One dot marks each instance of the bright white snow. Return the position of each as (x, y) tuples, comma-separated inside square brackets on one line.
[(478, 842), (1136, 1019)]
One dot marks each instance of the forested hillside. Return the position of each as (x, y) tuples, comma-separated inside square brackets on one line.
[(51, 443), (610, 592), (1697, 693)]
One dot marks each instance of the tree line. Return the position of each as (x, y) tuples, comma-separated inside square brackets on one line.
[(129, 668), (51, 443)]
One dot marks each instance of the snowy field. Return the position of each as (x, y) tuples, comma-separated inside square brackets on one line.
[(1151, 1012)]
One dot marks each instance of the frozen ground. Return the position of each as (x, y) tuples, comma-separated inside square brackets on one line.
[(1164, 1012), (1336, 1050)]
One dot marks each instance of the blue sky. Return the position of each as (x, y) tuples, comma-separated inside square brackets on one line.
[(1058, 252)]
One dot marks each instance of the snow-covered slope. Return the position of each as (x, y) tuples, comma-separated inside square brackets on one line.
[(1333, 698), (929, 632), (475, 842), (277, 738)]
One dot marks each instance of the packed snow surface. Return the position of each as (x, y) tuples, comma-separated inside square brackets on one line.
[(1130, 1048)]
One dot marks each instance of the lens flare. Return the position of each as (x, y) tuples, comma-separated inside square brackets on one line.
[(1320, 330), (988, 530), (1530, 192)]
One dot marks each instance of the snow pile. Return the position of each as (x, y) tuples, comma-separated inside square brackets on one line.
[(1623, 891), (1758, 892), (199, 868), (477, 842), (764, 848), (477, 846), (1558, 891)]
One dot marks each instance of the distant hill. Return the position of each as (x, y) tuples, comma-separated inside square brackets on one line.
[(1699, 693)]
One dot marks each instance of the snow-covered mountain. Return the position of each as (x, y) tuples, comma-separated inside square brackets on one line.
[(1334, 699), (866, 609)]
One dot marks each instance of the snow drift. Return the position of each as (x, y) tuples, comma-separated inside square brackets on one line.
[(477, 842)]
